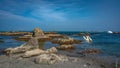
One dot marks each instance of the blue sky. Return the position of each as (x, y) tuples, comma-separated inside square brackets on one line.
[(60, 15)]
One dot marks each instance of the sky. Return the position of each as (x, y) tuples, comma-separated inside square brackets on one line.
[(60, 15)]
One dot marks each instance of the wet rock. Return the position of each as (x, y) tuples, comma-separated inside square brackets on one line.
[(55, 36), (37, 32), (24, 38), (65, 47), (90, 51), (50, 58), (44, 38), (66, 41)]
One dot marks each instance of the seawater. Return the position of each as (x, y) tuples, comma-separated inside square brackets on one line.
[(109, 44)]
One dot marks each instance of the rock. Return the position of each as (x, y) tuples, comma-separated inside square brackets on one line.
[(14, 33), (39, 51), (65, 47), (24, 38), (66, 41), (50, 58), (52, 50), (33, 52), (50, 32), (37, 32), (32, 42), (20, 49), (44, 38), (90, 51), (55, 36)]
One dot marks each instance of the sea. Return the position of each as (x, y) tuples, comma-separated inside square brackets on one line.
[(109, 44)]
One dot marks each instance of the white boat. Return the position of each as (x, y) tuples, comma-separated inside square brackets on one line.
[(110, 32), (87, 38)]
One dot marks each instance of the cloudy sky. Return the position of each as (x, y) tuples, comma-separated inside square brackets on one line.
[(60, 15)]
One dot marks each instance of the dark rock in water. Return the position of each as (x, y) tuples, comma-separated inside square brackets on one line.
[(37, 32), (90, 51)]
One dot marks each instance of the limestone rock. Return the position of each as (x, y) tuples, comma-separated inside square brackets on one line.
[(39, 51), (33, 52), (20, 49), (37, 32), (52, 50), (50, 58)]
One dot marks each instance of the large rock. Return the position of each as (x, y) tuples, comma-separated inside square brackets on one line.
[(20, 49), (35, 52), (37, 32), (50, 58)]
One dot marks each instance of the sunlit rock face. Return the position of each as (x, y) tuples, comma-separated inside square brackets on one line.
[(37, 32)]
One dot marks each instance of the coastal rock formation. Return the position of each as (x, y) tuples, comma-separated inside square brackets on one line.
[(14, 33), (55, 36), (90, 51), (24, 38), (32, 42), (52, 50), (50, 58), (20, 49), (35, 52), (37, 32), (44, 38), (65, 47), (66, 41)]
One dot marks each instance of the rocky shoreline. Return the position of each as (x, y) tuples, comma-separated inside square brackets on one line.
[(31, 55)]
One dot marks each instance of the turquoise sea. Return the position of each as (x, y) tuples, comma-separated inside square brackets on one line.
[(109, 44)]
